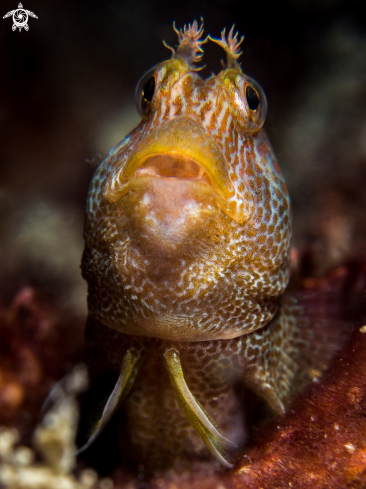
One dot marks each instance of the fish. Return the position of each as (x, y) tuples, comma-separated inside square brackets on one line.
[(187, 260)]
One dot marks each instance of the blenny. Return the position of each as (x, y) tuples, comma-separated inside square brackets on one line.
[(187, 240)]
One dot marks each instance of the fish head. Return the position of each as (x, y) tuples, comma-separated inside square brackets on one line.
[(192, 204)]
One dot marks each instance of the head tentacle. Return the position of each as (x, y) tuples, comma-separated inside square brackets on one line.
[(231, 47), (189, 49)]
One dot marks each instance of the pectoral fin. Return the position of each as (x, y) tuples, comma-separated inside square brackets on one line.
[(131, 363), (197, 416)]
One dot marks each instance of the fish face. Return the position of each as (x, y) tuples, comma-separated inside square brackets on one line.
[(193, 131), (188, 221)]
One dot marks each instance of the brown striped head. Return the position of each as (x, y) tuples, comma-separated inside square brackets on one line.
[(195, 199), (194, 129)]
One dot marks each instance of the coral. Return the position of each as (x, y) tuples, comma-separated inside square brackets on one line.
[(322, 440), (54, 441), (39, 343)]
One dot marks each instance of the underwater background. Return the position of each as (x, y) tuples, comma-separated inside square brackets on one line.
[(67, 96)]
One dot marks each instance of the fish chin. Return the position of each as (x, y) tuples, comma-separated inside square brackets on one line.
[(169, 210)]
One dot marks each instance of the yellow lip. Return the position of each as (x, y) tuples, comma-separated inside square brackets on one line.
[(181, 143)]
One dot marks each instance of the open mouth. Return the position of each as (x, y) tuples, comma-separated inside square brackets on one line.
[(174, 165), (179, 150)]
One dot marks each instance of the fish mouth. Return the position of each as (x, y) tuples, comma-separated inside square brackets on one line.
[(179, 150), (174, 165)]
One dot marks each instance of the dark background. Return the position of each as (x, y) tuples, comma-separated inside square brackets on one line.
[(67, 93)]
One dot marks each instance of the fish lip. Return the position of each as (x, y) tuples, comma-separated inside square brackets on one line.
[(179, 139)]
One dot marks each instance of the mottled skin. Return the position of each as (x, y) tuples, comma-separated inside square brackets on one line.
[(187, 238)]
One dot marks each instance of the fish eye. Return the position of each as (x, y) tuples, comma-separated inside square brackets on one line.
[(149, 90), (145, 92), (252, 97), (252, 109)]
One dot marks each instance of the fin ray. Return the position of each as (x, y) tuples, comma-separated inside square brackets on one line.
[(197, 416), (129, 369)]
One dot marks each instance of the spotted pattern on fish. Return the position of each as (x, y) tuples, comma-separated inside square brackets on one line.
[(187, 239), (262, 241)]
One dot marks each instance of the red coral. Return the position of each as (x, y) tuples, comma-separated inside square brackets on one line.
[(38, 345), (321, 442)]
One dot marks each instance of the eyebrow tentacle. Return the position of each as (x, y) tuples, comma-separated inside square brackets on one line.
[(189, 49), (231, 46)]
